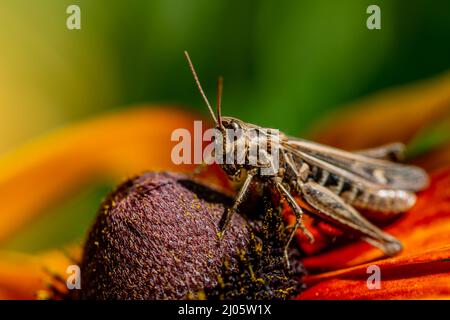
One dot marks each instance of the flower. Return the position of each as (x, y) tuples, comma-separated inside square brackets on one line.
[(50, 169)]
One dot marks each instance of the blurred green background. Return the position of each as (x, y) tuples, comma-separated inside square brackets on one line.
[(285, 64)]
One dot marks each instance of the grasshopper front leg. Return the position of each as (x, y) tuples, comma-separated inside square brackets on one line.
[(339, 213), (225, 221), (199, 168)]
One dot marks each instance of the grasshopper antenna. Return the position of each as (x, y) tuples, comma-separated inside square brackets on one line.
[(219, 101), (191, 66)]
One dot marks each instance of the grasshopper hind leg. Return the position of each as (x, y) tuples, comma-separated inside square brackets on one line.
[(393, 151), (337, 212)]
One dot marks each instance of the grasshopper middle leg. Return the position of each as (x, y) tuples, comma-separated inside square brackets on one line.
[(298, 221)]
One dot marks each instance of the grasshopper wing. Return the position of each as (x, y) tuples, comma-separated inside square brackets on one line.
[(358, 168)]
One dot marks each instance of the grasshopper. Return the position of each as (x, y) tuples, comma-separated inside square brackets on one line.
[(332, 184)]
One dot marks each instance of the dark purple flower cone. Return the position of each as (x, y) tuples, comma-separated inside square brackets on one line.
[(156, 238)]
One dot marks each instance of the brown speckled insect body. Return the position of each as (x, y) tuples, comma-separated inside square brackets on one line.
[(332, 183)]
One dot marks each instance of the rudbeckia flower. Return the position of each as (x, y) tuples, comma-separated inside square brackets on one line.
[(51, 169)]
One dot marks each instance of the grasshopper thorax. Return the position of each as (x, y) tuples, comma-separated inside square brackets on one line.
[(247, 146)]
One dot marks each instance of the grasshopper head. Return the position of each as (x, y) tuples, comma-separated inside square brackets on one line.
[(230, 124)]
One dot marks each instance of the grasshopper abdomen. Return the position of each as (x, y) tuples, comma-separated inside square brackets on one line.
[(386, 201)]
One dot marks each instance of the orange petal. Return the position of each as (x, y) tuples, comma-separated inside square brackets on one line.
[(422, 270), (434, 159), (422, 276), (112, 146), (22, 276), (393, 115)]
